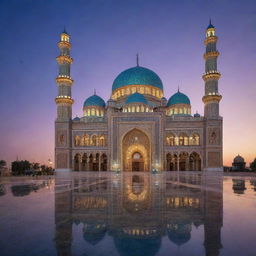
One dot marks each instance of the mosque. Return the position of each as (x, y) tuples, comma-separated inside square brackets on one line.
[(138, 129)]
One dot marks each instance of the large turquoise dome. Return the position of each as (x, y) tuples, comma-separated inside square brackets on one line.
[(178, 98), (137, 75), (136, 98), (94, 100)]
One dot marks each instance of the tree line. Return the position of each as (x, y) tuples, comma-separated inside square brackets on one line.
[(24, 167)]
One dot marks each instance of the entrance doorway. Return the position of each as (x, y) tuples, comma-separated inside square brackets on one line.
[(136, 151), (137, 162)]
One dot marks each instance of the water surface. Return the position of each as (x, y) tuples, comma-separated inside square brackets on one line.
[(129, 214)]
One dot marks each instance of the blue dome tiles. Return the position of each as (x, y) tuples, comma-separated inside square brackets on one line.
[(137, 76), (94, 100), (136, 98), (178, 98)]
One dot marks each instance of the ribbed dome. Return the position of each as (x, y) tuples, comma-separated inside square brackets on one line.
[(137, 75), (178, 98), (136, 98), (94, 100), (238, 159)]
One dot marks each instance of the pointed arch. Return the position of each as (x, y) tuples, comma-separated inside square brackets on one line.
[(134, 141)]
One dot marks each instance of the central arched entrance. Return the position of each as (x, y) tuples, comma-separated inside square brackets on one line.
[(137, 162), (136, 151)]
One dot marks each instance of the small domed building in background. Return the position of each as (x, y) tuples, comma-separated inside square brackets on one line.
[(139, 128), (238, 164)]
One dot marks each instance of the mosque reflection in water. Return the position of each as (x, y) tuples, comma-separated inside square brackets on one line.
[(138, 210)]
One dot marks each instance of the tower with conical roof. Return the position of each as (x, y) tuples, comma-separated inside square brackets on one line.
[(64, 103)]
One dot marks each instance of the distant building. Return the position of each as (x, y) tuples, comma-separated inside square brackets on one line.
[(238, 164), (138, 129)]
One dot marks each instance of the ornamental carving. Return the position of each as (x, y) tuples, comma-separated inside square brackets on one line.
[(62, 138), (214, 136)]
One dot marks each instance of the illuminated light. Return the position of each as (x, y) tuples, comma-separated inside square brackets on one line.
[(64, 100), (209, 75), (64, 59)]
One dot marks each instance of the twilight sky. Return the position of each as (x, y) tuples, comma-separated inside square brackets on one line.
[(105, 37)]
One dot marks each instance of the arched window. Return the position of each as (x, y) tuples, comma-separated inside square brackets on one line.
[(170, 139), (194, 139), (77, 140), (176, 141), (102, 140), (93, 140), (183, 139), (85, 140)]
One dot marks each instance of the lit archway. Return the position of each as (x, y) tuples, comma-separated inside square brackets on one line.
[(136, 151)]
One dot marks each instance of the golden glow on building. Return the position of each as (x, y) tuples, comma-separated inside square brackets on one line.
[(143, 89)]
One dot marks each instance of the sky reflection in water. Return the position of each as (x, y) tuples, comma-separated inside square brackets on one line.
[(129, 214)]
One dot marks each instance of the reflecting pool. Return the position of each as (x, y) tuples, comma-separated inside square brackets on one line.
[(128, 214)]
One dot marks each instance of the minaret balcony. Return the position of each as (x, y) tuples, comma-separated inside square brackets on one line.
[(208, 55), (64, 79), (64, 59), (211, 75), (212, 98), (64, 100), (64, 44), (210, 39)]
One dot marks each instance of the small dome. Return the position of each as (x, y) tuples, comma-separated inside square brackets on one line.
[(137, 75), (196, 115), (238, 159), (76, 118), (210, 25), (94, 100), (178, 98), (136, 98)]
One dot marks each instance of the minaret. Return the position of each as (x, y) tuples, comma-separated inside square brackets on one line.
[(211, 97), (64, 100), (64, 103)]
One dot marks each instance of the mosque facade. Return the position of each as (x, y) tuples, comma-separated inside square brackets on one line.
[(138, 129)]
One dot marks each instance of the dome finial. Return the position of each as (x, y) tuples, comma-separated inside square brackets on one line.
[(64, 30), (94, 91), (178, 88), (137, 59), (210, 24)]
